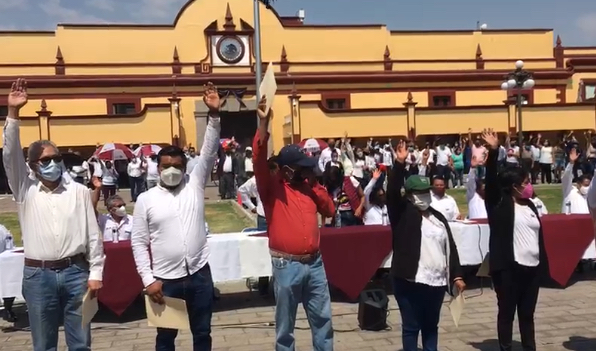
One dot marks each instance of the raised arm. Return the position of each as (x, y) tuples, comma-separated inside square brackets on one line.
[(567, 177), (492, 188), (16, 168), (260, 152), (202, 170), (395, 181), (471, 183), (370, 186)]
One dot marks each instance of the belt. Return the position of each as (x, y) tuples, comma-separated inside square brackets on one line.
[(306, 258), (57, 264)]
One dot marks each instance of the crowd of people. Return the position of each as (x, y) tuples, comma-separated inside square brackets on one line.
[(295, 192)]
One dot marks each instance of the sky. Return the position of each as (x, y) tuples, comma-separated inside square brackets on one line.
[(573, 20)]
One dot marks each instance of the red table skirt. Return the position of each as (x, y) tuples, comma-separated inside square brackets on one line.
[(353, 254)]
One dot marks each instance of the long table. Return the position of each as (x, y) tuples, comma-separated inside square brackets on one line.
[(351, 256)]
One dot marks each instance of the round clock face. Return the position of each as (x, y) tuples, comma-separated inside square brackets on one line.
[(230, 49)]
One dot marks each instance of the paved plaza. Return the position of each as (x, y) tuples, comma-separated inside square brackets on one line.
[(565, 320)]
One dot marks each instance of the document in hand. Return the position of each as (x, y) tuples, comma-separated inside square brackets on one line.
[(268, 86), (484, 270), (89, 308), (456, 307), (171, 315)]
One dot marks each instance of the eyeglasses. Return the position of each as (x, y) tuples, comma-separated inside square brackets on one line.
[(44, 161)]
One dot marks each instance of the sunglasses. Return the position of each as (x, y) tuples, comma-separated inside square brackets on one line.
[(44, 161)]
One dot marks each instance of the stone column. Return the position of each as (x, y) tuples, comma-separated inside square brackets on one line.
[(295, 121), (43, 116), (175, 119), (411, 116)]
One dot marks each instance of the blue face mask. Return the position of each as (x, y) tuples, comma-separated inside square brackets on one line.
[(51, 172)]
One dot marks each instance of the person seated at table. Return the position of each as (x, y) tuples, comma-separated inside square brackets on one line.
[(517, 255), (442, 202), (248, 191), (347, 195), (425, 261), (375, 201), (116, 225), (475, 193), (574, 195), (540, 207), (5, 238)]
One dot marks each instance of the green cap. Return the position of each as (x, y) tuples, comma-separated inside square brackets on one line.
[(417, 183)]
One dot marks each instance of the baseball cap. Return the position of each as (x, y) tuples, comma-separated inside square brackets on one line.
[(417, 183), (294, 155)]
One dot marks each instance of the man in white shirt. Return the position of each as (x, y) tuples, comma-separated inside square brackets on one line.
[(136, 173), (444, 163), (169, 238), (152, 171), (574, 195), (193, 160), (325, 155), (63, 251), (116, 225), (247, 191), (442, 202)]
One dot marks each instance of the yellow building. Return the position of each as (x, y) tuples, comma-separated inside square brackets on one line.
[(102, 83)]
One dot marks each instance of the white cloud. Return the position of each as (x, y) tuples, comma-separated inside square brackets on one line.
[(105, 5), (13, 4), (587, 25), (61, 14)]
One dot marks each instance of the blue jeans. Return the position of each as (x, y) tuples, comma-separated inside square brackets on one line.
[(480, 170), (197, 291), (137, 186), (420, 309), (53, 295), (261, 223), (294, 283)]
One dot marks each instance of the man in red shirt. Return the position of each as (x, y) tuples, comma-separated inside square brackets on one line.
[(291, 199)]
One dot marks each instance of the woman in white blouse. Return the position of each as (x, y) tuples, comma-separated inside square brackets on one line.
[(545, 160), (475, 193), (375, 201), (517, 255)]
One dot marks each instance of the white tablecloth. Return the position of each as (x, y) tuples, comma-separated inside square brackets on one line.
[(237, 256)]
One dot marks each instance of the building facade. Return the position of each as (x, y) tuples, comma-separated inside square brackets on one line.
[(92, 84)]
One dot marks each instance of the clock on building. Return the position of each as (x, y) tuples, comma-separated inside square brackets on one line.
[(230, 49)]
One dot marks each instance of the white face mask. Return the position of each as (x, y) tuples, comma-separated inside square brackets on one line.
[(171, 176), (422, 201), (120, 211), (584, 190)]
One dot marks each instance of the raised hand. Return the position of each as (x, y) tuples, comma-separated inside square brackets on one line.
[(401, 152), (573, 155), (376, 174), (211, 98), (490, 137), (17, 97), (261, 110)]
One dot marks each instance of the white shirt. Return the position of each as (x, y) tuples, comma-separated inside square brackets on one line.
[(152, 171), (432, 265), (55, 224), (109, 226), (4, 235), (571, 194), (227, 165), (326, 157), (172, 223), (134, 168), (446, 205), (248, 166), (443, 156), (535, 153), (374, 214), (387, 157), (546, 155), (476, 205), (431, 156), (192, 162), (542, 210), (526, 229), (248, 190)]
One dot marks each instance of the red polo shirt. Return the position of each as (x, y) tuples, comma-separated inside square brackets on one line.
[(290, 210)]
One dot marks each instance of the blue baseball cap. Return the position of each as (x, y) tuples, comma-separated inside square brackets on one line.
[(293, 154)]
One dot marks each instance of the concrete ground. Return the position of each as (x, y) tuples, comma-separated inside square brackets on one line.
[(565, 320)]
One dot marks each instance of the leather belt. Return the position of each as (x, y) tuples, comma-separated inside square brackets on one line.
[(306, 258), (57, 264)]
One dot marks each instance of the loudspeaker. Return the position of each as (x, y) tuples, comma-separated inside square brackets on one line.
[(372, 310)]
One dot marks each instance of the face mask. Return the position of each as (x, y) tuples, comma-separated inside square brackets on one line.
[(120, 211), (359, 154), (411, 149), (584, 190), (377, 158), (422, 201), (442, 147), (171, 176), (527, 192), (52, 172)]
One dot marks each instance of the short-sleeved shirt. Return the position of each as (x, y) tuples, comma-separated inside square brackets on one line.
[(109, 227)]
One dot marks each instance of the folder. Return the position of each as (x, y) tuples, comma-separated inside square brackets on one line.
[(268, 87), (89, 308), (456, 306), (171, 315)]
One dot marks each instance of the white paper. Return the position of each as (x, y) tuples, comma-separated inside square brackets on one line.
[(268, 87), (89, 308), (172, 315), (456, 306)]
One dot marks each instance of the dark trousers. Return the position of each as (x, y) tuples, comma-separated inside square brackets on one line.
[(261, 223), (526, 164), (517, 289), (137, 186), (546, 173), (226, 186), (197, 291), (420, 309), (107, 191)]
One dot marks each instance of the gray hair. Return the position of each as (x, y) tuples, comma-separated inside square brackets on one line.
[(36, 149), (112, 199)]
